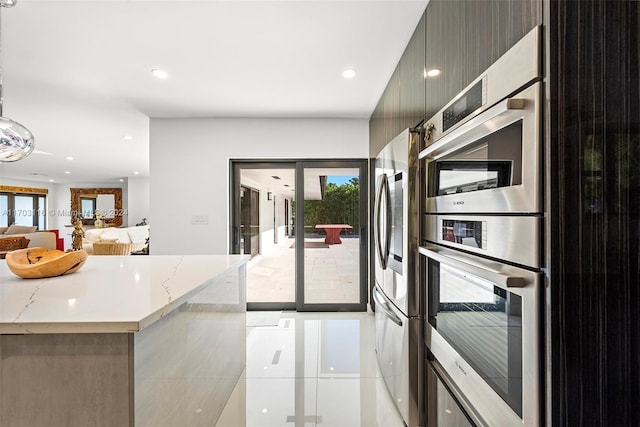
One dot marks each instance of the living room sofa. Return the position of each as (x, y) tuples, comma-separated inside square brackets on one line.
[(115, 241), (37, 239)]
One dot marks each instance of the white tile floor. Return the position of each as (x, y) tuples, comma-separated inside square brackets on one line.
[(312, 369)]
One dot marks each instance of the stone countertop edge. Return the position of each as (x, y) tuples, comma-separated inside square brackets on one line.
[(125, 326)]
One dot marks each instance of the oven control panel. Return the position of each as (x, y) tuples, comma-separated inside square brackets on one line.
[(465, 104), (465, 232)]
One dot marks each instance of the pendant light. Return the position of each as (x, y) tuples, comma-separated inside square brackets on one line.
[(16, 141)]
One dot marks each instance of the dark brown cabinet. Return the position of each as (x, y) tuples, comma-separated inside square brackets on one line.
[(463, 38), (411, 80), (592, 185), (593, 180)]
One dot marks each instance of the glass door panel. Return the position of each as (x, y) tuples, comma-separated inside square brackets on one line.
[(333, 249), (24, 210), (263, 193), (4, 210)]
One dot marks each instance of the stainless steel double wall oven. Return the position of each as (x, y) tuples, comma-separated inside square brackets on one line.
[(481, 247)]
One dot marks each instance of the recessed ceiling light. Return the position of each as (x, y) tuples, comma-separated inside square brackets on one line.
[(160, 74), (127, 137), (432, 72), (349, 73), (51, 180), (67, 172), (136, 172), (121, 180), (69, 158)]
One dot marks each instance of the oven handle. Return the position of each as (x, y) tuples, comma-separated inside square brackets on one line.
[(381, 303), (472, 130), (383, 188), (502, 280)]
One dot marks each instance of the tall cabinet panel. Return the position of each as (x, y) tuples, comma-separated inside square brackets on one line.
[(464, 37), (391, 107), (412, 80), (385, 122), (594, 220), (444, 51), (376, 129)]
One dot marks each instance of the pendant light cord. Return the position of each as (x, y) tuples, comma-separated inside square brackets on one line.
[(16, 141), (3, 3)]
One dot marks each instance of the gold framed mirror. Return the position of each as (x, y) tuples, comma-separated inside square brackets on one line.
[(86, 201)]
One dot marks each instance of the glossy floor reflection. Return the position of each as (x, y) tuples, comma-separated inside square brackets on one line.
[(313, 369)]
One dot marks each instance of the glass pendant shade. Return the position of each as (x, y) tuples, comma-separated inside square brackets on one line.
[(16, 142)]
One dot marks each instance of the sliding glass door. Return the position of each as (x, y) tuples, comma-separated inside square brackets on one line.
[(304, 224)]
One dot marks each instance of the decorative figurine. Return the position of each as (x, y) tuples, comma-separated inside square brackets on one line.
[(77, 236), (98, 223)]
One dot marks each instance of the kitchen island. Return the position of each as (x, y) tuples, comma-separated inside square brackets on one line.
[(144, 341)]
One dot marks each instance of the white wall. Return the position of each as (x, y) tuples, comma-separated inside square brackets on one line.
[(189, 169), (138, 191)]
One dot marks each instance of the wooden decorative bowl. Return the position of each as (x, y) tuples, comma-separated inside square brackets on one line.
[(38, 263)]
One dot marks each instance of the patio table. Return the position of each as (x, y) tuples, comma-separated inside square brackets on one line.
[(333, 232)]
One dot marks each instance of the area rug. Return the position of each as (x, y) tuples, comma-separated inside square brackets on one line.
[(263, 318)]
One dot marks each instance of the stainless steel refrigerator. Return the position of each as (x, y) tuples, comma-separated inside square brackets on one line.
[(396, 292)]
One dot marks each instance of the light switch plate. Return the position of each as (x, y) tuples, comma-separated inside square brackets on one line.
[(199, 219)]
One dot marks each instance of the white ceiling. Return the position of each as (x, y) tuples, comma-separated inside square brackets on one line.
[(77, 73)]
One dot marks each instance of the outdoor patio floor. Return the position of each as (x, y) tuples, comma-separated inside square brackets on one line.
[(331, 272)]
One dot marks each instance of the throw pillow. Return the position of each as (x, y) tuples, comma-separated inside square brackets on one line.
[(110, 234), (106, 240), (93, 234), (21, 229)]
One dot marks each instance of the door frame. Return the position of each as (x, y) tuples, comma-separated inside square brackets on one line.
[(235, 165)]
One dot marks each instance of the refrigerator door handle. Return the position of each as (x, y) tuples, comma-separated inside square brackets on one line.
[(388, 218), (382, 185), (383, 305)]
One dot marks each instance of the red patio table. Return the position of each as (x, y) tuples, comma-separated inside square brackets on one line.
[(333, 232)]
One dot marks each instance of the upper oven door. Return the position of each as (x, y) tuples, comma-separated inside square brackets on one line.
[(491, 163)]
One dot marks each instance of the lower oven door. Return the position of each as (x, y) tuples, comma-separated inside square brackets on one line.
[(483, 327)]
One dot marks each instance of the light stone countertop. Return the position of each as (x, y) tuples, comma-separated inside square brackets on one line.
[(109, 294)]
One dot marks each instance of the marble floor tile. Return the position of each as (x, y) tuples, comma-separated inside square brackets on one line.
[(313, 369)]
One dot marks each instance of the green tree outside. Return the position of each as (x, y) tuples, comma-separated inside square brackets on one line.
[(341, 205)]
